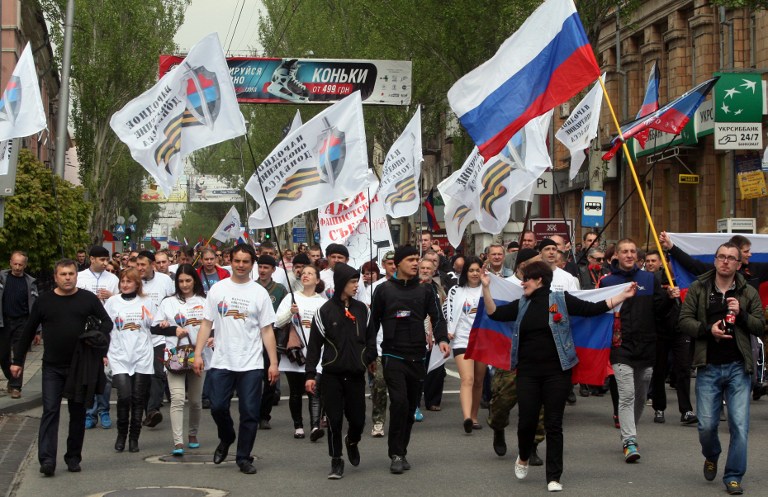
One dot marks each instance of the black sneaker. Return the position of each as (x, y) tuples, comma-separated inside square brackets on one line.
[(47, 469), (397, 465), (247, 468), (74, 467), (337, 469), (264, 425), (316, 434), (710, 470), (584, 390), (353, 453), (499, 443), (689, 418), (153, 419), (406, 464), (658, 416), (571, 398), (734, 488)]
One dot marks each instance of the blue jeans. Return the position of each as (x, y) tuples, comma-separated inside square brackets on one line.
[(100, 402), (248, 386), (713, 382)]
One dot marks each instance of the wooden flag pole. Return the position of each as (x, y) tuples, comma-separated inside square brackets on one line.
[(638, 186)]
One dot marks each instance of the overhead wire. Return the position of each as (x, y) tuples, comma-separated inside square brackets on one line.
[(230, 22), (234, 31)]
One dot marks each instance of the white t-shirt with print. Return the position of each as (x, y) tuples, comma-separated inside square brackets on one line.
[(159, 287), (130, 344), (307, 307), (93, 282), (238, 311)]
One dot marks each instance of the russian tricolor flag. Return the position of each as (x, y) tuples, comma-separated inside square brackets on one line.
[(243, 238), (702, 247), (543, 64), (650, 102), (490, 341)]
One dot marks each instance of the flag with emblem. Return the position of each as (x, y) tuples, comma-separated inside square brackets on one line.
[(402, 170), (229, 227), (671, 118), (21, 108), (191, 107), (578, 131), (322, 161)]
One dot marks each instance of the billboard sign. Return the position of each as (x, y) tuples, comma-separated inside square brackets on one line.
[(208, 188)]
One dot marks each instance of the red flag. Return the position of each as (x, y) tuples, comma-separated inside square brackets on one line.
[(108, 236), (155, 243)]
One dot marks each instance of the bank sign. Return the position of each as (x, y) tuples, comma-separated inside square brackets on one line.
[(264, 80), (738, 101)]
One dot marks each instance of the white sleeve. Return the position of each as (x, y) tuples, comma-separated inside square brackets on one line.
[(209, 310), (265, 311), (283, 314)]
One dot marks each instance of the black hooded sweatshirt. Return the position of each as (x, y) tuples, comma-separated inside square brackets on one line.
[(349, 344)]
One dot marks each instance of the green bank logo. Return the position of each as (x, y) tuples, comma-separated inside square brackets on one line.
[(739, 98)]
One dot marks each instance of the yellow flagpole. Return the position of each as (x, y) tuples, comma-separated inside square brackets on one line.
[(638, 185)]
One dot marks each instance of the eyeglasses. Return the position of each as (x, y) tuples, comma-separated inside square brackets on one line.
[(218, 254), (528, 278), (598, 259), (723, 258)]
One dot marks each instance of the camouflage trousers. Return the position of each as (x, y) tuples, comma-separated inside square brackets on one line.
[(503, 399), (379, 394)]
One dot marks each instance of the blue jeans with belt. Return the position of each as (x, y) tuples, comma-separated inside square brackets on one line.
[(713, 383)]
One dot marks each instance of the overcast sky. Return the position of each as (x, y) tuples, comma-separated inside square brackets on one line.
[(205, 16)]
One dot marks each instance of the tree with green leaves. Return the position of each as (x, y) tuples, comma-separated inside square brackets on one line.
[(46, 217), (115, 50)]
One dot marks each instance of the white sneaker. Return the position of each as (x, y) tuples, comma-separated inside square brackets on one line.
[(378, 430), (521, 470), (554, 486)]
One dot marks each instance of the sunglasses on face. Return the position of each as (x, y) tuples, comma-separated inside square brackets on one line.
[(599, 259)]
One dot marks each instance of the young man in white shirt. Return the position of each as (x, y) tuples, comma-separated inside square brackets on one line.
[(243, 316), (156, 286), (334, 253)]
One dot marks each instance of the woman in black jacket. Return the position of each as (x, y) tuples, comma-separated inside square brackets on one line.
[(340, 331)]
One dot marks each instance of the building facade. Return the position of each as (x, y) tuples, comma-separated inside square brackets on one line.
[(691, 40)]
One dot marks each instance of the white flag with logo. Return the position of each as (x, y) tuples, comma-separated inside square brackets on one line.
[(21, 107), (581, 127), (461, 197), (193, 106), (229, 227), (324, 160), (402, 170)]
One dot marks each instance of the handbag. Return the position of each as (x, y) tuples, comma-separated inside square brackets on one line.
[(180, 359)]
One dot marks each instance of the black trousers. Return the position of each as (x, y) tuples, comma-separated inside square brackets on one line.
[(404, 381), (533, 392), (9, 335), (433, 387), (132, 394), (268, 392), (48, 437), (157, 388), (680, 347), (343, 396), (296, 382)]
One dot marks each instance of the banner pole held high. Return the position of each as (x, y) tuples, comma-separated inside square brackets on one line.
[(637, 185), (271, 223)]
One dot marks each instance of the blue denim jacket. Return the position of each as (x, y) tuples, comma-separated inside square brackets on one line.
[(561, 331)]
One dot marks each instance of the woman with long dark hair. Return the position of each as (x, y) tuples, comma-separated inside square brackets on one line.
[(300, 313), (544, 355), (183, 312), (460, 309)]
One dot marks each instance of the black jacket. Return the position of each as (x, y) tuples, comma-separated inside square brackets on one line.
[(342, 334), (400, 308), (754, 273), (638, 316)]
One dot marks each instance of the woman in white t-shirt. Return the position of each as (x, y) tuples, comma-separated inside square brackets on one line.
[(130, 355), (460, 309), (302, 311), (183, 312)]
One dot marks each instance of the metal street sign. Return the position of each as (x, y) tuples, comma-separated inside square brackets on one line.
[(593, 209), (738, 136), (132, 227), (132, 219), (120, 229), (299, 235), (544, 228), (544, 184), (738, 105), (688, 179)]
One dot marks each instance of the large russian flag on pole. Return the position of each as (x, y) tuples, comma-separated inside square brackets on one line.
[(490, 341), (543, 64)]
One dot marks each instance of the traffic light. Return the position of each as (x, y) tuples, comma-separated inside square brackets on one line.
[(128, 233), (268, 234)]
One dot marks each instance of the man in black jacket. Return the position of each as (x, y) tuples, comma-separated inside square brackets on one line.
[(62, 313), (340, 330), (400, 307)]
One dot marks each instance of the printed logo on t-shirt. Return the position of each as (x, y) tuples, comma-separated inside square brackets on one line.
[(329, 292), (225, 311), (183, 320), (121, 324), (402, 314)]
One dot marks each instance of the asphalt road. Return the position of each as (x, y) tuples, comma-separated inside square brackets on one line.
[(445, 461)]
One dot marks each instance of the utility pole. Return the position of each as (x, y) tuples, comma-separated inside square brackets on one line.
[(63, 118)]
